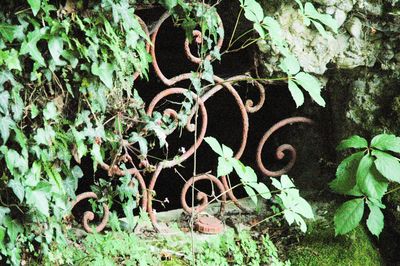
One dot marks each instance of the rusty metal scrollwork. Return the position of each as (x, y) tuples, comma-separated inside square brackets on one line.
[(245, 108)]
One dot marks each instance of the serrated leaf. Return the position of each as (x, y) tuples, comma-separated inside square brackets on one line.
[(373, 184), (286, 182), (375, 221), (252, 194), (290, 65), (303, 208), (224, 167), (346, 174), (296, 93), (214, 144), (386, 142), (35, 6), (17, 188), (387, 165), (355, 142), (348, 216), (227, 152), (311, 85), (261, 189)]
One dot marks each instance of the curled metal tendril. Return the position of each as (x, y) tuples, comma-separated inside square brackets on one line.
[(89, 216), (201, 196), (280, 151)]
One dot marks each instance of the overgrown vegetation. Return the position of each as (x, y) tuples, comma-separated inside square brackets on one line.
[(67, 91), (366, 175)]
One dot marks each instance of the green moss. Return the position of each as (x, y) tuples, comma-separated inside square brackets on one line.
[(321, 247)]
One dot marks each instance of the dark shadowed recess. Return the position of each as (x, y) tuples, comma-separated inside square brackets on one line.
[(224, 120)]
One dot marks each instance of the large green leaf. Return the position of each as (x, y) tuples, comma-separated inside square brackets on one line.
[(387, 165), (310, 11), (348, 216), (38, 199), (13, 61), (355, 142), (373, 184), (5, 124), (386, 142), (253, 11), (296, 93), (375, 221), (56, 46), (29, 46), (311, 85), (346, 174), (261, 189), (290, 65), (7, 31), (17, 188), (35, 5)]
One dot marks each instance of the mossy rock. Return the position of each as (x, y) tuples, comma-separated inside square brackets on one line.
[(393, 210), (321, 247)]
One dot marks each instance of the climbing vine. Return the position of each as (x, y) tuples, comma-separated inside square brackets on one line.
[(67, 92)]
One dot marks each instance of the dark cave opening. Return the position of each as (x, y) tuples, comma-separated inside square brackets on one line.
[(224, 119)]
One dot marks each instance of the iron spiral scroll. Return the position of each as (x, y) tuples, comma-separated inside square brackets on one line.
[(223, 185)]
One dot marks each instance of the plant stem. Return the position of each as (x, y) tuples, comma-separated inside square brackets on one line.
[(266, 219)]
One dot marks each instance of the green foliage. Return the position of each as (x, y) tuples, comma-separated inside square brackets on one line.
[(294, 206), (269, 29), (365, 174)]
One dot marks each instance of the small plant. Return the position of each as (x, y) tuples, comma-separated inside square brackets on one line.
[(365, 174), (294, 206)]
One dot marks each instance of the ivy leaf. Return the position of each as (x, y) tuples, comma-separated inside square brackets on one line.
[(4, 98), (348, 216), (50, 112), (387, 165), (104, 72), (96, 154), (3, 212), (375, 221), (224, 167), (12, 61), (5, 124), (35, 5), (29, 45), (169, 4), (38, 199), (345, 174), (312, 85), (296, 93), (208, 73), (214, 144), (7, 31), (56, 46), (17, 188), (355, 142), (252, 194), (386, 142)]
